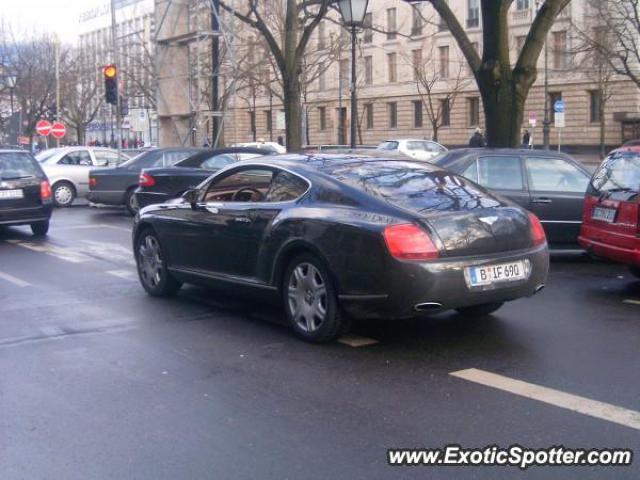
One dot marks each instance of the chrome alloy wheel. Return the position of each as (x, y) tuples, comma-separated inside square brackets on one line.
[(307, 297), (150, 262)]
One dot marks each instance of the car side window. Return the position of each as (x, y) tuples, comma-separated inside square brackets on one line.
[(217, 161), (471, 172), (107, 159), (246, 185), (285, 187), (500, 173), (79, 157), (555, 175)]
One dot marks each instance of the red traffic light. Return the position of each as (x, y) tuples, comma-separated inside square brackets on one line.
[(110, 71)]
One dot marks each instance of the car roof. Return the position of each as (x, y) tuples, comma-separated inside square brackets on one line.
[(630, 148), (220, 151)]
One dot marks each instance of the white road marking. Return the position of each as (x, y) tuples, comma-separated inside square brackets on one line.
[(575, 403), (107, 251), (356, 341), (631, 302), (124, 274), (16, 281), (96, 225), (47, 248)]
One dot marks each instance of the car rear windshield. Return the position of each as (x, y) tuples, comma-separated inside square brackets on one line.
[(15, 165), (159, 158), (412, 186), (619, 172)]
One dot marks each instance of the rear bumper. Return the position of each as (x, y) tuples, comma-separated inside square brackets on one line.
[(25, 216), (443, 283), (145, 199), (106, 197), (622, 252)]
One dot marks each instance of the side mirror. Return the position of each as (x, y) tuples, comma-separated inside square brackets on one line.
[(191, 197)]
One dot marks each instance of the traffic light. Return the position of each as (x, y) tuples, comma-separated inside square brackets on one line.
[(111, 84)]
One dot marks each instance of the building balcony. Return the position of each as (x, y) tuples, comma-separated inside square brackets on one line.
[(521, 16)]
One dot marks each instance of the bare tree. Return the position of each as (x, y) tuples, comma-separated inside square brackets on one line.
[(296, 19), (504, 88)]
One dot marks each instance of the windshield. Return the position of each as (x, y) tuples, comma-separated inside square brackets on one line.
[(619, 172), (17, 165), (46, 154)]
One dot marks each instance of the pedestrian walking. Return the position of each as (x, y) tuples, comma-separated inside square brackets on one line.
[(477, 140), (526, 139)]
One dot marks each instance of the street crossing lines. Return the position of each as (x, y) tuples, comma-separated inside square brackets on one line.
[(97, 225), (62, 253), (575, 403), (14, 280)]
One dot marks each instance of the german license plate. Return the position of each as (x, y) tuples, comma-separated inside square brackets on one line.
[(492, 274), (607, 215), (7, 194)]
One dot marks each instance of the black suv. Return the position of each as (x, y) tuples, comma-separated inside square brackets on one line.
[(25, 194)]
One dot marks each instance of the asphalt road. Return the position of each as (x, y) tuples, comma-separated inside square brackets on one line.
[(98, 380)]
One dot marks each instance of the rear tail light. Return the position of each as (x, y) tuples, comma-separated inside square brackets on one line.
[(92, 182), (146, 180), (409, 242), (537, 232), (45, 190)]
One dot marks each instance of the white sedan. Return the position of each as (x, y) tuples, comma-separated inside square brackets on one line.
[(68, 169), (418, 149)]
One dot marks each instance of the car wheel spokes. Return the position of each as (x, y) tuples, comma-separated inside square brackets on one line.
[(150, 261), (307, 296)]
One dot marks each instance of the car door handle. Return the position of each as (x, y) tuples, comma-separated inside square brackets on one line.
[(542, 200), (242, 220)]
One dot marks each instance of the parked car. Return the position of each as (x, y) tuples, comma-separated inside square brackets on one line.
[(333, 235), (68, 169), (611, 227), (25, 194), (413, 148), (116, 186), (157, 185), (271, 147), (550, 184)]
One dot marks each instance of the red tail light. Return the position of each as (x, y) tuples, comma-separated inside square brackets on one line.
[(45, 190), (146, 180), (537, 232), (409, 242), (92, 182)]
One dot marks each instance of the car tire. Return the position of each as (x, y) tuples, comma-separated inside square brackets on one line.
[(63, 193), (310, 300), (480, 310), (635, 271), (152, 267), (40, 229), (130, 202)]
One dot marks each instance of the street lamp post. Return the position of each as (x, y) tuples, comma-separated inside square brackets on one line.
[(353, 13), (546, 124), (10, 81)]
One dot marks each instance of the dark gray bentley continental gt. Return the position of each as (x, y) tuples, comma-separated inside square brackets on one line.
[(335, 236)]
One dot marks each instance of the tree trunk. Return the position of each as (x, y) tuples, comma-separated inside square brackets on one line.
[(434, 129), (603, 130), (293, 113)]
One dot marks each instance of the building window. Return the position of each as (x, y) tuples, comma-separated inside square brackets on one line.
[(322, 117), (367, 25), (417, 22), (416, 56), (444, 61), (553, 98), (473, 110), (417, 114), (322, 81), (595, 100), (252, 121), (268, 120), (343, 73), (473, 14), (522, 5), (392, 67), (368, 109), (560, 50), (392, 108), (391, 24), (445, 112), (368, 70)]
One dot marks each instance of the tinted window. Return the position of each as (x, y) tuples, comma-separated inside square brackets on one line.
[(218, 161), (159, 158), (247, 185), (284, 187), (79, 157), (471, 172), (17, 165), (500, 173), (619, 171), (388, 146), (555, 175), (411, 186), (105, 158), (46, 154)]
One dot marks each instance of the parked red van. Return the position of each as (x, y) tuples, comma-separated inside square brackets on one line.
[(611, 218)]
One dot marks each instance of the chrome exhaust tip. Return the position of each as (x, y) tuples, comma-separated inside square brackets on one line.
[(538, 289), (428, 307)]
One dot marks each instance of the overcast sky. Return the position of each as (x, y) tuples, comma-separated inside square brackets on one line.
[(54, 16)]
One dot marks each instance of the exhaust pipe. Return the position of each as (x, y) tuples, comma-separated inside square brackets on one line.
[(538, 289), (428, 307)]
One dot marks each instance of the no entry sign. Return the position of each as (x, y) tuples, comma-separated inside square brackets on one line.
[(43, 127), (58, 130)]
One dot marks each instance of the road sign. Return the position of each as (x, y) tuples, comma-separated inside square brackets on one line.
[(559, 117), (43, 127), (58, 130), (559, 106), (533, 120)]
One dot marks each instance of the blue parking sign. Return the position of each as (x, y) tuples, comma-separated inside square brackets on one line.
[(558, 106)]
